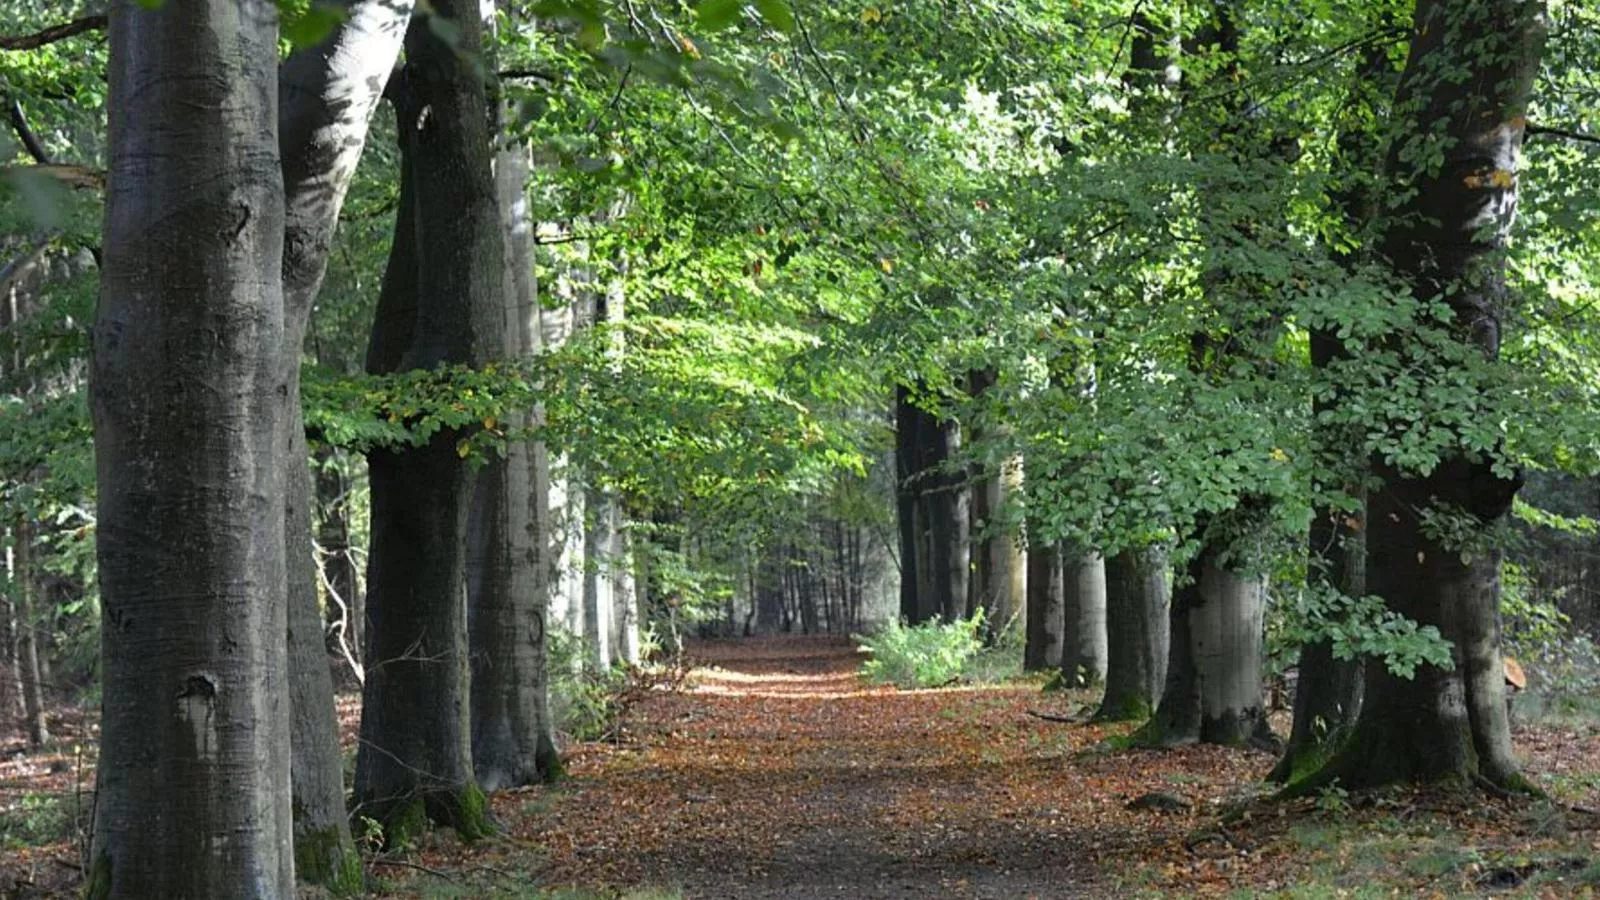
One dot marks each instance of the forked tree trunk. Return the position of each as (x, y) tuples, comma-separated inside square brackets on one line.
[(1449, 241), (440, 304), (189, 396), (1083, 614), (326, 95), (1137, 593)]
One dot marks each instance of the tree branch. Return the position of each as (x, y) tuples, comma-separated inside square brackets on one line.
[(19, 123), (53, 33), (1564, 133)]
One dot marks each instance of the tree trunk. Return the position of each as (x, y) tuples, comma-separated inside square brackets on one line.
[(934, 514), (326, 96), (1083, 615), (1137, 591), (998, 568), (598, 603), (513, 732), (441, 303), (28, 654), (1046, 609), (1448, 241), (189, 397)]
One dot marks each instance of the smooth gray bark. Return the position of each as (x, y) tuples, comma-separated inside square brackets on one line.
[(513, 737), (1083, 615), (189, 394), (1137, 592)]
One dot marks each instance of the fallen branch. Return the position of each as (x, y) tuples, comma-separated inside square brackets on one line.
[(437, 873), (53, 33), (1052, 717)]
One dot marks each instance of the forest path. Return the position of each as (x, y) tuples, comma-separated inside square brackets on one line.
[(781, 774)]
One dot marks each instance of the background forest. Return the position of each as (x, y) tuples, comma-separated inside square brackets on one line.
[(491, 362)]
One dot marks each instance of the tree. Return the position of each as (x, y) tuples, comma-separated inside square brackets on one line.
[(1138, 588), (1462, 102), (441, 303), (326, 95), (933, 512), (189, 393)]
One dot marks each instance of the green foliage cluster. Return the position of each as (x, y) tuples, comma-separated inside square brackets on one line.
[(929, 654)]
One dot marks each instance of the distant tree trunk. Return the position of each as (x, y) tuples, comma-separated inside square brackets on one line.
[(1449, 241), (23, 582), (326, 97), (189, 397), (934, 514), (1046, 608), (1137, 591), (441, 303), (509, 574), (598, 605), (998, 567), (1083, 645)]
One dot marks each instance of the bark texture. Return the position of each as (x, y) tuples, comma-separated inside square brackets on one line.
[(999, 569), (440, 302), (1448, 241), (189, 397), (1137, 593), (326, 96), (28, 651)]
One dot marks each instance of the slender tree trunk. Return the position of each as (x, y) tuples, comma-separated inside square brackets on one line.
[(1449, 241), (1083, 645), (326, 96), (1137, 591), (189, 396), (1046, 608), (442, 303), (23, 581)]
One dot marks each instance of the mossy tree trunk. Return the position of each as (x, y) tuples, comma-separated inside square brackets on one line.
[(441, 303), (1448, 240)]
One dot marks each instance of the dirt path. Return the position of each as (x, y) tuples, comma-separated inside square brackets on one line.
[(781, 775)]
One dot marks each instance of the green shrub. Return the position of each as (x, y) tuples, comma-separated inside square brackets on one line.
[(927, 655)]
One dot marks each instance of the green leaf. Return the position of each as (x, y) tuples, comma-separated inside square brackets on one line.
[(715, 15), (311, 27), (777, 14)]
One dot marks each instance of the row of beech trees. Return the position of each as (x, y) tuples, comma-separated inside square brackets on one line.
[(220, 774), (1184, 650)]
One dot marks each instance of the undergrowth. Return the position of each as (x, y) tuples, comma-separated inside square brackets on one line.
[(932, 654)]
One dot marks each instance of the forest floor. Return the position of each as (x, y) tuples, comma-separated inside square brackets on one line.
[(777, 773)]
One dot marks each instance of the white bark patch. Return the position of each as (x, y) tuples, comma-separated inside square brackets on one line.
[(197, 708)]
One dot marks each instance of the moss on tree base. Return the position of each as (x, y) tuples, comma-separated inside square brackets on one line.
[(1123, 709), (325, 857)]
